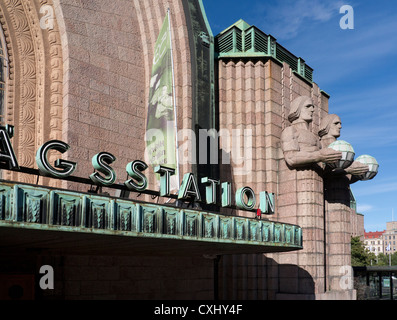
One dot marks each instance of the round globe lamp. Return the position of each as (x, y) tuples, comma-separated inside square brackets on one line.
[(347, 154), (373, 167)]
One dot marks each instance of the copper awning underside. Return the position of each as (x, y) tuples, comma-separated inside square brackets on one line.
[(42, 219)]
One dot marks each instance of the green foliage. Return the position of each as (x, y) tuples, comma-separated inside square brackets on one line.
[(383, 260), (360, 256)]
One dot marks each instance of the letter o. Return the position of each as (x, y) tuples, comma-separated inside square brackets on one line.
[(240, 201)]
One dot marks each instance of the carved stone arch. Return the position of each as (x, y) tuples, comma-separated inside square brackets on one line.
[(35, 86)]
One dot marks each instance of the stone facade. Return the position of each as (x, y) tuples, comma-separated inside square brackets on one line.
[(257, 95), (85, 81)]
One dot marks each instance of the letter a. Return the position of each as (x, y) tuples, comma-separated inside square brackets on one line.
[(189, 188), (347, 21), (47, 281), (7, 155)]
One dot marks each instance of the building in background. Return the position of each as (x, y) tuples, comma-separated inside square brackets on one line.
[(373, 242), (390, 238)]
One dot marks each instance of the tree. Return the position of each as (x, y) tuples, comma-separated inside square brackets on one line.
[(383, 259), (360, 256)]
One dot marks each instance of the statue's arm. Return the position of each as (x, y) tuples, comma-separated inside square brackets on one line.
[(297, 158)]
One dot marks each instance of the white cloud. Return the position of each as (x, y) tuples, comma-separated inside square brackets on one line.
[(289, 16), (364, 208), (376, 188)]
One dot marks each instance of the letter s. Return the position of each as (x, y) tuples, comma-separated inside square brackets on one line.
[(134, 170), (101, 162)]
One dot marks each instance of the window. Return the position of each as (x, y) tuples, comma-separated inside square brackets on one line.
[(3, 75)]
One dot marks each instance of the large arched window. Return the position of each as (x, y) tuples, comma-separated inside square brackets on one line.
[(3, 75)]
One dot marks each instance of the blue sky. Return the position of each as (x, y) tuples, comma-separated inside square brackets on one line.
[(356, 67)]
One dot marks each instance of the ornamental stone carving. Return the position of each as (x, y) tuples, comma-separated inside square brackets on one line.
[(34, 87)]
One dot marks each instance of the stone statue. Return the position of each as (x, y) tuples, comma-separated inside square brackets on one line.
[(301, 147), (329, 132), (337, 198), (301, 196)]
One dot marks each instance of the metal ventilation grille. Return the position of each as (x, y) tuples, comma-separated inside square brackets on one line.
[(239, 42), (260, 41), (242, 39), (225, 44), (309, 73), (284, 55), (248, 41)]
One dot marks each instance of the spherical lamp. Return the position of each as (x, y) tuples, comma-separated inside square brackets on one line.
[(347, 154), (373, 167)]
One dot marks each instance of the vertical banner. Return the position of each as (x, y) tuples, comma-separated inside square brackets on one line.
[(161, 131)]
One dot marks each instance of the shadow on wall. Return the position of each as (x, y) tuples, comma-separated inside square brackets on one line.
[(240, 277), (256, 277)]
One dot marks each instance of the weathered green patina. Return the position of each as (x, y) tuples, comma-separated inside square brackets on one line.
[(33, 213), (242, 40)]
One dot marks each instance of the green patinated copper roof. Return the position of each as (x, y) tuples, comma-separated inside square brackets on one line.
[(63, 220), (242, 40)]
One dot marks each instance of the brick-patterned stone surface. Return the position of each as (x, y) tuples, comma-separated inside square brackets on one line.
[(108, 50), (262, 101)]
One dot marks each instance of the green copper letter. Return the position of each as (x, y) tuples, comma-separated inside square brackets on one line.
[(210, 190), (66, 167), (226, 195), (189, 188), (101, 163), (240, 201), (7, 154), (266, 202), (134, 170), (165, 174)]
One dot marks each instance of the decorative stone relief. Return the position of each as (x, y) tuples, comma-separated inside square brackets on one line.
[(34, 100)]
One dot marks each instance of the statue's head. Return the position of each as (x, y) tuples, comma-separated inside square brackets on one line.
[(302, 108), (331, 125)]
